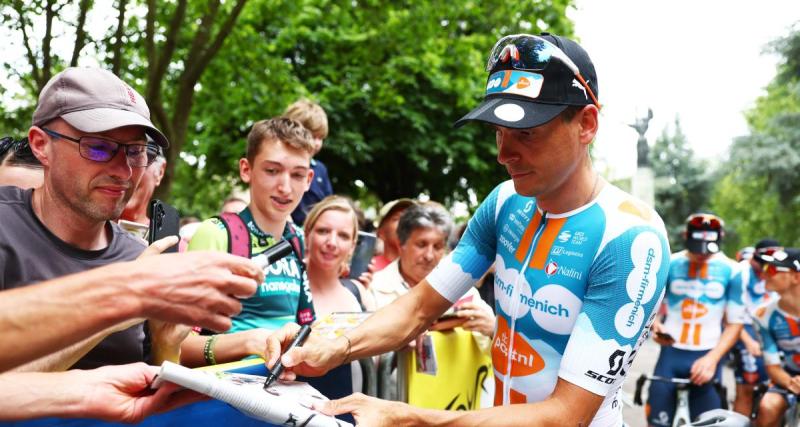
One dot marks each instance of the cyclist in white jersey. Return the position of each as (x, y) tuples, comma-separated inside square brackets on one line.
[(580, 265), (749, 369), (700, 293), (779, 329)]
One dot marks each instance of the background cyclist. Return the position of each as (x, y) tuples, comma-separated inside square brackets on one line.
[(699, 293), (748, 364), (779, 326)]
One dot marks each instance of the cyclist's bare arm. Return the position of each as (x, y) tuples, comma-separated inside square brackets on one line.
[(781, 378), (569, 405), (387, 330)]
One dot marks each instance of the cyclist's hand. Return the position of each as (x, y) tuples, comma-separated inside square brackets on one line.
[(314, 358), (794, 384), (703, 370), (753, 347), (660, 334)]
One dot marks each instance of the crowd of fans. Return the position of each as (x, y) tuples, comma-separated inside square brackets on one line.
[(74, 197), (50, 190)]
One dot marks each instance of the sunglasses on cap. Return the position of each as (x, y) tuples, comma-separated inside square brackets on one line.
[(769, 251), (526, 52), (706, 221), (139, 154)]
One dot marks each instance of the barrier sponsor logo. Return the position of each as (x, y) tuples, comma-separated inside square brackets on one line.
[(641, 284), (525, 360)]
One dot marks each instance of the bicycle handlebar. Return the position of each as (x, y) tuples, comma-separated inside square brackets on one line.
[(681, 382)]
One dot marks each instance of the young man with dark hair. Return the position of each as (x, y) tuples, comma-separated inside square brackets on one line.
[(580, 264)]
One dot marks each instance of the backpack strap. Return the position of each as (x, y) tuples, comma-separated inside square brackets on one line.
[(238, 236), (296, 246), (350, 286)]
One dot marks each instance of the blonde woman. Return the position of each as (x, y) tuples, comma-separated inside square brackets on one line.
[(331, 230)]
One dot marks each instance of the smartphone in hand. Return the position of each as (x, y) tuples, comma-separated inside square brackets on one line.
[(362, 255), (665, 336), (164, 221)]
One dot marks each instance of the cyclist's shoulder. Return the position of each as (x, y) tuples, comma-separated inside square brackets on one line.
[(623, 213), (764, 312), (680, 257), (724, 264), (504, 196)]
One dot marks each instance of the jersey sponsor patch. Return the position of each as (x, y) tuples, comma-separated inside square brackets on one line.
[(696, 289), (641, 284), (692, 309), (555, 308), (525, 360)]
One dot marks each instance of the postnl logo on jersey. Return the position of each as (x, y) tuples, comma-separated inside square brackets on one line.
[(691, 309), (524, 359)]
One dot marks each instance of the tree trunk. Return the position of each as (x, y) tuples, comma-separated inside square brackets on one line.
[(200, 55)]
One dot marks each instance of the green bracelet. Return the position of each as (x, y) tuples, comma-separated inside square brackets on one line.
[(208, 350)]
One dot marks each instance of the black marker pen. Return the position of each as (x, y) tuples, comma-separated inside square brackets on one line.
[(276, 370)]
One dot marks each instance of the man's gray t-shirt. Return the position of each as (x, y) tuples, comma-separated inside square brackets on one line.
[(30, 253)]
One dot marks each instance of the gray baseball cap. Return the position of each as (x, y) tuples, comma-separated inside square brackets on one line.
[(94, 100)]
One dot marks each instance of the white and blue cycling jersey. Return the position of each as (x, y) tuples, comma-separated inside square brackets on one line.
[(755, 292), (574, 292), (779, 332), (699, 294)]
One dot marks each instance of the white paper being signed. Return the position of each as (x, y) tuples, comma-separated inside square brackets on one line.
[(283, 403)]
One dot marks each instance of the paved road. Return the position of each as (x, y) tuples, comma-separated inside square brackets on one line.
[(644, 363)]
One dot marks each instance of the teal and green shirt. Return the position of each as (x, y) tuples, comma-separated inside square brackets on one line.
[(284, 296)]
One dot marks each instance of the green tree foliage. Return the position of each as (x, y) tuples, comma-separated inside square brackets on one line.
[(392, 76), (160, 47), (682, 184), (751, 213), (761, 189)]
